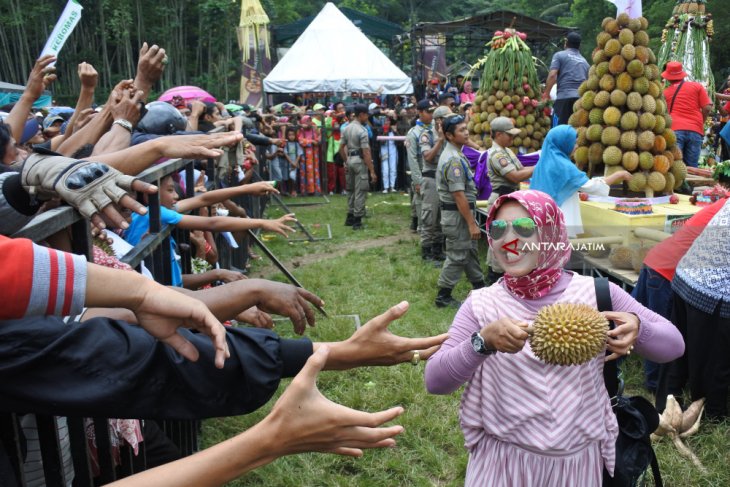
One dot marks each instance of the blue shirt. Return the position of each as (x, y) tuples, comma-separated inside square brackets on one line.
[(572, 71), (141, 225)]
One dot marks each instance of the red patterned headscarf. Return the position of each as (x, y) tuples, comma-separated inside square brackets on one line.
[(551, 233)]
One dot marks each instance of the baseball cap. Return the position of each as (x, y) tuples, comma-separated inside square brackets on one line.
[(30, 130), (434, 81), (424, 105), (573, 39), (50, 120), (442, 112), (445, 95), (318, 106), (504, 124), (358, 109), (373, 106)]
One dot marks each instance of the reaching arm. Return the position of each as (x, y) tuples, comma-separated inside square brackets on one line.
[(88, 77), (39, 79), (216, 196), (136, 159), (229, 224), (150, 66), (302, 420), (520, 174)]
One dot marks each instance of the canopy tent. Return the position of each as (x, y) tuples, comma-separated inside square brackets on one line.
[(333, 55), (371, 26), (10, 93)]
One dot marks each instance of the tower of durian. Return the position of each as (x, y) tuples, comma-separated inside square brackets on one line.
[(509, 87), (622, 117), (686, 38)]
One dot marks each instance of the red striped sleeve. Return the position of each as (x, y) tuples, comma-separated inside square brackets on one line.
[(68, 290), (16, 262), (53, 287)]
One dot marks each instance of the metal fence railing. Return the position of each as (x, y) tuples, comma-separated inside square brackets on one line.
[(154, 251)]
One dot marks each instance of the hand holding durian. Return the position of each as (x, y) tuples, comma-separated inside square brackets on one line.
[(572, 334)]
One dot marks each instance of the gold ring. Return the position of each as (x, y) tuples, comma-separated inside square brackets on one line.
[(415, 358)]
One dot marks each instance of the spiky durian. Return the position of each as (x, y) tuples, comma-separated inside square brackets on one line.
[(568, 334)]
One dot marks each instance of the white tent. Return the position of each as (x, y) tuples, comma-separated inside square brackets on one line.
[(333, 55)]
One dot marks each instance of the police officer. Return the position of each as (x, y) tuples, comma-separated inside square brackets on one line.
[(415, 160), (355, 150), (457, 193), (431, 144), (506, 172)]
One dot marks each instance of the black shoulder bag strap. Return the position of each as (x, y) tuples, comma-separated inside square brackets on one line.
[(610, 369), (674, 97)]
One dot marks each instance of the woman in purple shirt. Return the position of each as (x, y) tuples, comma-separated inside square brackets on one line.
[(526, 422)]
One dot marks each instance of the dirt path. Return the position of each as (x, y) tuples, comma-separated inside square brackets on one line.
[(303, 260)]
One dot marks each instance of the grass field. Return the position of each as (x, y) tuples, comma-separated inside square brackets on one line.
[(384, 269)]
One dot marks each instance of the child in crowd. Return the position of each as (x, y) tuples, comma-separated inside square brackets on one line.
[(294, 156), (171, 209), (388, 157), (279, 167)]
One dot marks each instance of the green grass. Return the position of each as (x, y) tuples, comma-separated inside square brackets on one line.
[(366, 283)]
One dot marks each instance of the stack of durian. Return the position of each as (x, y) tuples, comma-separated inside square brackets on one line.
[(621, 115), (509, 87)]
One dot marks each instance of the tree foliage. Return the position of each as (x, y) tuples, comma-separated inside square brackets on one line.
[(200, 36)]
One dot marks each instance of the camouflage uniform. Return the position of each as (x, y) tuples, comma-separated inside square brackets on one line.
[(454, 175)]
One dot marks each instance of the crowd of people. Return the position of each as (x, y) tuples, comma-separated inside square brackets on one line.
[(89, 160)]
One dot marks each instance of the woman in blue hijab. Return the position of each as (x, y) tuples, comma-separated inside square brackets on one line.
[(556, 175)]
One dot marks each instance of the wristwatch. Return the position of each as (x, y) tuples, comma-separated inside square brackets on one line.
[(477, 341)]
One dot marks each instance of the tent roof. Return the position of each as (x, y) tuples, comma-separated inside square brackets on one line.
[(369, 25), (493, 20), (9, 87), (334, 55)]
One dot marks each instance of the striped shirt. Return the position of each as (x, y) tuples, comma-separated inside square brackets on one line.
[(526, 422)]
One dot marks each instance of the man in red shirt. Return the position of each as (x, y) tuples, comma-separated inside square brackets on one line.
[(654, 287), (689, 106)]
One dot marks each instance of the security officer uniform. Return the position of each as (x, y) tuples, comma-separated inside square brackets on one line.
[(454, 174), (355, 139), (502, 161), (431, 236), (415, 166)]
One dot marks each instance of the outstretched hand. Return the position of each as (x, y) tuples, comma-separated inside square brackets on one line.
[(199, 146), (280, 225), (303, 420), (151, 63), (41, 77), (374, 344), (290, 301)]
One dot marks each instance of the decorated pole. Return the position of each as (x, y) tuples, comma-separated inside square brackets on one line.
[(253, 40)]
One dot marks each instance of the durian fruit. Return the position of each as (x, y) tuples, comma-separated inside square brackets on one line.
[(587, 100), (630, 160), (617, 98), (648, 104), (594, 133), (612, 47), (617, 65), (646, 140), (612, 156), (641, 85), (629, 121), (610, 136), (568, 334), (612, 116), (607, 83), (628, 142), (581, 156), (656, 181), (634, 101), (647, 121), (595, 117), (637, 183), (646, 161), (679, 170), (637, 257), (669, 187), (595, 153), (661, 165), (624, 82), (628, 52), (635, 68), (602, 99), (620, 257)]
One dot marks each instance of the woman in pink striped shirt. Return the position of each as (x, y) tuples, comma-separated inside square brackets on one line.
[(525, 422)]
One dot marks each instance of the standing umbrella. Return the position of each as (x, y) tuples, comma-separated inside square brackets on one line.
[(188, 93)]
